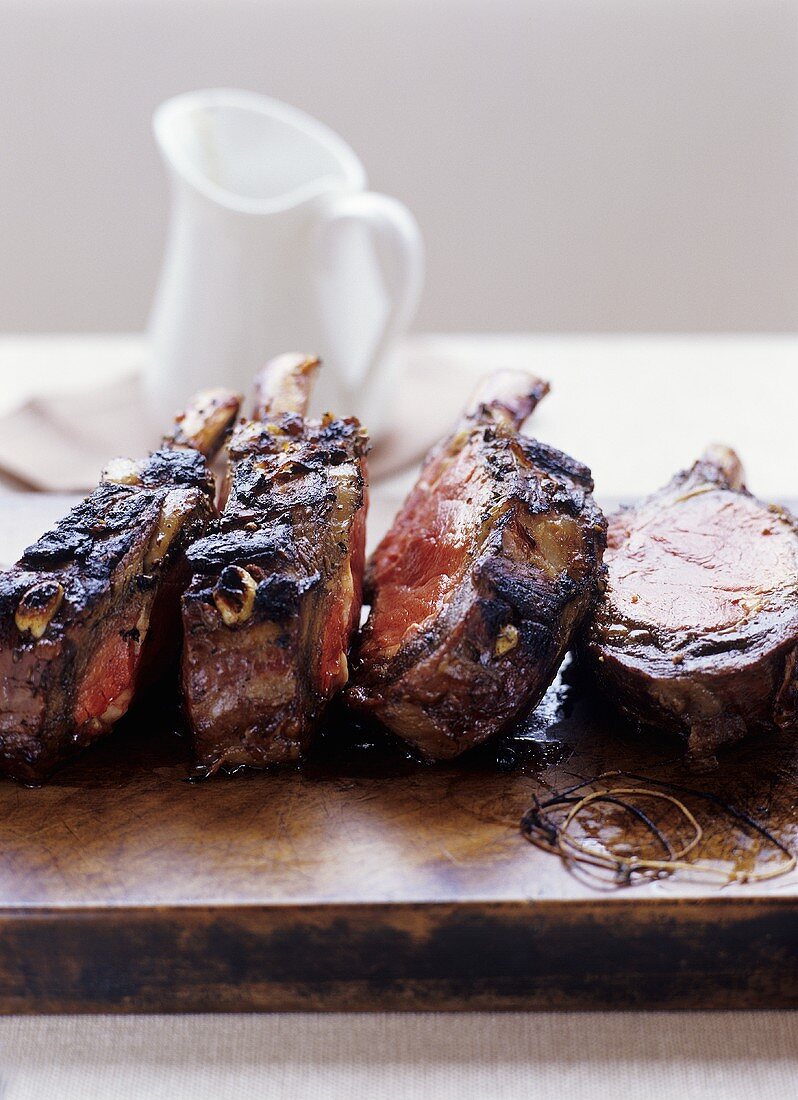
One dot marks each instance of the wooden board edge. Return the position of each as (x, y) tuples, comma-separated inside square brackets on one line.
[(674, 954)]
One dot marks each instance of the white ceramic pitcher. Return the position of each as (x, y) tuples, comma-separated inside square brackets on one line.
[(276, 245)]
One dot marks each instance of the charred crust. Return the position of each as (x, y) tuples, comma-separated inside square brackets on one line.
[(296, 488), (499, 639), (100, 530), (528, 596), (558, 464), (168, 469), (277, 598), (88, 579), (329, 443), (267, 547)]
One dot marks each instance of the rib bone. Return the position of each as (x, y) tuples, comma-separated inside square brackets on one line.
[(284, 568), (77, 608)]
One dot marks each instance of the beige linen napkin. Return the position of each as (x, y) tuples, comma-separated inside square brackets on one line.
[(59, 442)]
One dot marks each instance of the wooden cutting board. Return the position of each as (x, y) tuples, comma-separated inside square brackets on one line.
[(368, 881)]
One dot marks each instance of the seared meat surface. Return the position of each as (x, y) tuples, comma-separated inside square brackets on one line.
[(93, 605), (477, 589), (277, 585), (697, 631)]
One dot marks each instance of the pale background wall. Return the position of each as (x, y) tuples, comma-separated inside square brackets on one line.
[(574, 164)]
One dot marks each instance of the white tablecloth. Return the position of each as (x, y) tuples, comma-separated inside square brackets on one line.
[(635, 409), (535, 1056)]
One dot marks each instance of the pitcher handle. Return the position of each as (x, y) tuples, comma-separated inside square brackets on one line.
[(399, 248)]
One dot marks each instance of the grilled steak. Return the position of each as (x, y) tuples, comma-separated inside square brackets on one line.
[(697, 632), (93, 606), (478, 587), (277, 585)]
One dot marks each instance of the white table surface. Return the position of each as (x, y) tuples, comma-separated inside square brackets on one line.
[(635, 409)]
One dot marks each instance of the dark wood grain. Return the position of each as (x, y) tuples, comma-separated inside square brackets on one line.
[(366, 880)]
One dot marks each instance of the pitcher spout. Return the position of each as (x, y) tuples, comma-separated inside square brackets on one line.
[(250, 153)]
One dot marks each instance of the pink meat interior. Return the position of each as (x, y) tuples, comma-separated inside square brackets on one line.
[(707, 558)]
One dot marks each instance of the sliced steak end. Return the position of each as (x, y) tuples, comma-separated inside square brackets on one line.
[(697, 631)]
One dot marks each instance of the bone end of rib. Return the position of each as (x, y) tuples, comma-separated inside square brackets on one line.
[(508, 396), (725, 464), (121, 471), (206, 421), (284, 385)]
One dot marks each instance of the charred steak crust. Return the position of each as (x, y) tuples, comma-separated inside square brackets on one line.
[(276, 591), (697, 630), (515, 591), (75, 608)]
